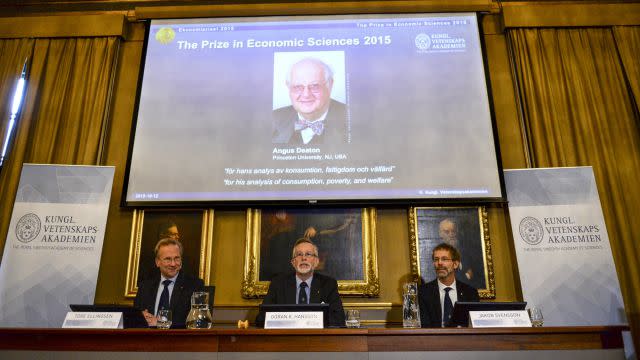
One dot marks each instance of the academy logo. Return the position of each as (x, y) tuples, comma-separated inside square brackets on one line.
[(28, 228), (423, 41), (531, 230), (439, 43)]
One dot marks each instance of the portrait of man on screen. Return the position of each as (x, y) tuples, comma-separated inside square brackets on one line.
[(312, 113)]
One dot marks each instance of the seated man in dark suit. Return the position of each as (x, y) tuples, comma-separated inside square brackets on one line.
[(304, 286), (313, 117), (170, 289), (437, 297)]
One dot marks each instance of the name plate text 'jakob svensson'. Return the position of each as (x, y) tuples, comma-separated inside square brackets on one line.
[(294, 320), (504, 318)]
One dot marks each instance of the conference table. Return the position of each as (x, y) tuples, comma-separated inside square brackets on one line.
[(583, 343)]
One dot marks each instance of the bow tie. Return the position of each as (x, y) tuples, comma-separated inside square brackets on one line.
[(316, 126)]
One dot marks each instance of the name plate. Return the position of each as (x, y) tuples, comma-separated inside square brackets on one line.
[(505, 318), (93, 320), (294, 320)]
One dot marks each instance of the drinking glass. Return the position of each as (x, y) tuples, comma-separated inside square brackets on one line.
[(535, 314), (353, 318), (164, 319)]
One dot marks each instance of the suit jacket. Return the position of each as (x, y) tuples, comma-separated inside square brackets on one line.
[(323, 289), (429, 300), (471, 259), (335, 128), (180, 302)]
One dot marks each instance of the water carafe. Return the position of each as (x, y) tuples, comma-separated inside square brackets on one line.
[(410, 308), (199, 316)]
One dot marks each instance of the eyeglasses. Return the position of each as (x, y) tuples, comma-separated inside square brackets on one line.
[(315, 88), (307, 254), (442, 259), (168, 260)]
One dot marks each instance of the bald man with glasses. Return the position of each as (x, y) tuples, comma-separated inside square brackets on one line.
[(304, 285), (313, 116)]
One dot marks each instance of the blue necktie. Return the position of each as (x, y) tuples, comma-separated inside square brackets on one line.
[(302, 296), (448, 307), (164, 297)]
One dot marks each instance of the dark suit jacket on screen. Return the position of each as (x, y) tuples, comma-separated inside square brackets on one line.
[(323, 289), (180, 302), (335, 128), (429, 300)]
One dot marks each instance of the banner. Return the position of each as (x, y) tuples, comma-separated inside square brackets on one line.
[(53, 246), (563, 250)]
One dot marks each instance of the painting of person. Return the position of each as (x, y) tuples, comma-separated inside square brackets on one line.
[(460, 228), (336, 232), (184, 226)]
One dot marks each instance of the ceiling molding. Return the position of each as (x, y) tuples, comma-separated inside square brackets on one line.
[(208, 8), (313, 8)]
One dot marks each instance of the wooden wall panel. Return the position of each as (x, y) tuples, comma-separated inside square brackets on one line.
[(63, 26), (115, 251), (575, 13)]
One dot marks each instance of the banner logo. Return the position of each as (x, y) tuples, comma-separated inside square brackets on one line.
[(28, 228), (531, 230)]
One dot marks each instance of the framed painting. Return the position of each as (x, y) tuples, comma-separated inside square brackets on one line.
[(346, 247), (194, 229), (465, 228)]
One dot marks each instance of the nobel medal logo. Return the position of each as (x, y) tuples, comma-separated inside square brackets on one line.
[(423, 41), (165, 35), (28, 228), (531, 230)]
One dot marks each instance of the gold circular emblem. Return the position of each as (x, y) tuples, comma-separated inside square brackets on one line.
[(165, 35)]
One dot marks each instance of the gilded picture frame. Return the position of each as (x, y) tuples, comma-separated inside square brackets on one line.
[(346, 247), (464, 227), (195, 227)]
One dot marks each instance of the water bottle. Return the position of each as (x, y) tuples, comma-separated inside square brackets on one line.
[(199, 316), (410, 308)]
